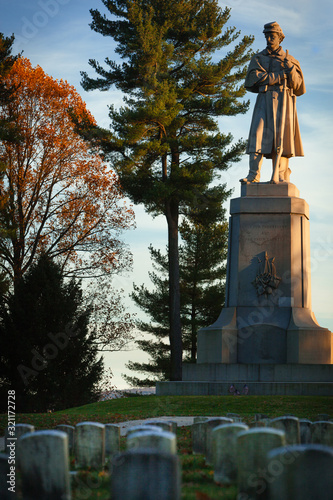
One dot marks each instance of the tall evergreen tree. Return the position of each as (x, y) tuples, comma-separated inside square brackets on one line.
[(165, 142), (8, 130), (47, 355), (202, 258)]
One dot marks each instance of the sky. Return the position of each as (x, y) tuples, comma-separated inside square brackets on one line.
[(55, 35)]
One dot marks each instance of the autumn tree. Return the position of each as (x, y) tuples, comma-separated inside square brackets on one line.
[(182, 68), (57, 196), (202, 259), (48, 355)]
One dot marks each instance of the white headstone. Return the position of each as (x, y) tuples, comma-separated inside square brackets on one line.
[(20, 430), (112, 440), (210, 425), (224, 441), (165, 442), (90, 445), (252, 448), (198, 431), (322, 433), (145, 474), (200, 419), (305, 430), (44, 466), (300, 472), (164, 425), (235, 417), (144, 428), (70, 431), (290, 425)]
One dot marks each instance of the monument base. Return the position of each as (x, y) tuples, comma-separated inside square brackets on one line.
[(255, 389), (266, 336), (260, 334), (262, 379)]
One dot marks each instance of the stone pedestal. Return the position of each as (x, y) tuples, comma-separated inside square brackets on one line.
[(267, 318)]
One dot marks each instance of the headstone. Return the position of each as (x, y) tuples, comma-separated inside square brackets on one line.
[(264, 422), (20, 430), (235, 417), (90, 445), (165, 426), (198, 431), (8, 485), (143, 428), (145, 474), (224, 452), (252, 448), (165, 442), (174, 426), (322, 417), (70, 431), (300, 472), (200, 419), (322, 433), (260, 416), (290, 425), (305, 430), (44, 466), (210, 425), (112, 440)]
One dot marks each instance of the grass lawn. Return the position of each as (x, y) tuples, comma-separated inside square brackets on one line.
[(197, 477), (138, 407)]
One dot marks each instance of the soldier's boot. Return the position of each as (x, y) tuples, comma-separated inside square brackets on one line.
[(255, 167), (284, 170)]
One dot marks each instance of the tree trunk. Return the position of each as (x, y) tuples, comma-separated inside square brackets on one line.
[(176, 348)]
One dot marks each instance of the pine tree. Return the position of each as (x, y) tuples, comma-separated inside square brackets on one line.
[(202, 258), (164, 142), (47, 355), (8, 130)]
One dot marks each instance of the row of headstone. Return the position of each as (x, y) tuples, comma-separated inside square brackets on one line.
[(150, 465), (263, 467), (86, 433), (233, 450), (297, 431), (267, 469), (301, 431)]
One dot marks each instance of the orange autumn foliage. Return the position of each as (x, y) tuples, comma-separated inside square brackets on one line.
[(56, 196)]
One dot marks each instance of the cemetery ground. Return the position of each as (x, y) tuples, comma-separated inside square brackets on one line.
[(197, 476)]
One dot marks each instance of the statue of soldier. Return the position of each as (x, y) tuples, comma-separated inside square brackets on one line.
[(277, 79)]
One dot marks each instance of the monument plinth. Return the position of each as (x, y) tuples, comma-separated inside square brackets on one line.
[(266, 335), (267, 316)]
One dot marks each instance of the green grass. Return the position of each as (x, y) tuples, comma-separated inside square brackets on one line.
[(133, 408), (197, 476)]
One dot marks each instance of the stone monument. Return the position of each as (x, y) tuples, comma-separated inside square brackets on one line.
[(267, 336)]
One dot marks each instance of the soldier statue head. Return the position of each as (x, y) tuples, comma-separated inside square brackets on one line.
[(273, 34)]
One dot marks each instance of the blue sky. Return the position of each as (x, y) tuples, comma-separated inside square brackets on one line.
[(55, 34)]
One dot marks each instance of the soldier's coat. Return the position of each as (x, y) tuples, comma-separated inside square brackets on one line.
[(264, 77)]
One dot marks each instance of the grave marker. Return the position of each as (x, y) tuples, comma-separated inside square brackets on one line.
[(90, 445), (300, 472), (44, 466), (145, 474)]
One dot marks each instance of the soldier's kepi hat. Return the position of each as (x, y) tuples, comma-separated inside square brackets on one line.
[(273, 27)]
